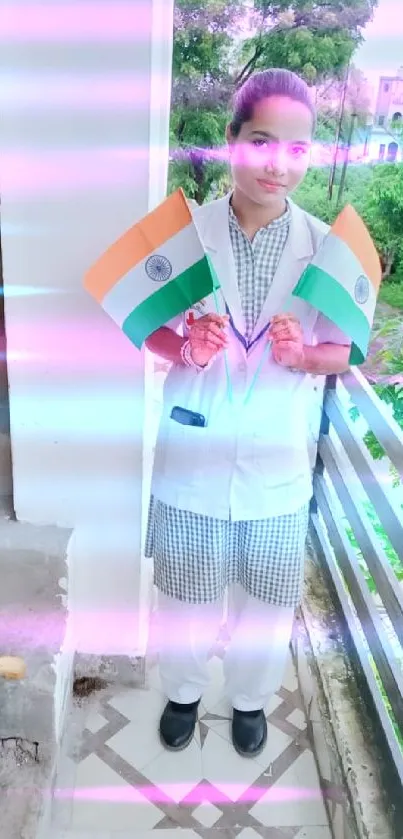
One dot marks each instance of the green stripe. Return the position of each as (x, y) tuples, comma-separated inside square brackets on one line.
[(171, 300), (324, 293)]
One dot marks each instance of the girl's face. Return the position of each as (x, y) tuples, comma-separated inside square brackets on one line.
[(271, 154)]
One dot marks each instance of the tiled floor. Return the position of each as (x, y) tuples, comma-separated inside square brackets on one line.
[(116, 781)]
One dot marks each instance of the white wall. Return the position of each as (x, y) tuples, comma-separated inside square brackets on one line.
[(84, 147)]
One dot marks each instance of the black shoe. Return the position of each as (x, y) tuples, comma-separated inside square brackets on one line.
[(249, 732), (177, 725)]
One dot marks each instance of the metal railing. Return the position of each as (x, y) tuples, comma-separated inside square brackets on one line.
[(337, 499)]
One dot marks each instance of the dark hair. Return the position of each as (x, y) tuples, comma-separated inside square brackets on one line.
[(261, 86)]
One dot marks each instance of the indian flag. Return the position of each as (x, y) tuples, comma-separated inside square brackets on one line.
[(343, 280), (154, 272)]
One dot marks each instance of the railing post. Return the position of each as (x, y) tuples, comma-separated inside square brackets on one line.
[(330, 384)]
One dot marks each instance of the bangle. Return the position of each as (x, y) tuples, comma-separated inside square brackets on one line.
[(186, 356)]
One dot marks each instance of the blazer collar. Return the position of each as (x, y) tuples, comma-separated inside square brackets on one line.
[(299, 249), (215, 235), (299, 238), (297, 253)]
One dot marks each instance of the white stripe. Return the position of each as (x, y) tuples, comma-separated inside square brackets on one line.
[(336, 258), (182, 251)]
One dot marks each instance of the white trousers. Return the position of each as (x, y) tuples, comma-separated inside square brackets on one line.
[(255, 658)]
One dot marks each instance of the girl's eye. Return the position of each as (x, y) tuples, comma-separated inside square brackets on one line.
[(298, 151), (264, 145), (259, 143)]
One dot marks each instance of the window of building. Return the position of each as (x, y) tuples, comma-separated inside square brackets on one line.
[(386, 87), (381, 120)]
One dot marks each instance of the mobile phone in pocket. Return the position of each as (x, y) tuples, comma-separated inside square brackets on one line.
[(186, 417)]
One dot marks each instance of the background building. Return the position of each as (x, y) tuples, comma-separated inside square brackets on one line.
[(386, 140)]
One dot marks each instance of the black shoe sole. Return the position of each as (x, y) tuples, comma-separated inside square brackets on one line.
[(256, 753), (177, 748)]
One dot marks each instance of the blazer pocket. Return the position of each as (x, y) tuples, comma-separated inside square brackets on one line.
[(185, 449)]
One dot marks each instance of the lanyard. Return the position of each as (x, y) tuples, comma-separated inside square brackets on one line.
[(248, 346), (265, 353), (241, 338)]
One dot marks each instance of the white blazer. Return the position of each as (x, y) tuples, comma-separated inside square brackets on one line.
[(250, 461)]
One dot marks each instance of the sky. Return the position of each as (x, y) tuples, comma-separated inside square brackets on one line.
[(382, 52)]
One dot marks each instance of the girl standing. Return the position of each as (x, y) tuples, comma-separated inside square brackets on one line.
[(232, 477)]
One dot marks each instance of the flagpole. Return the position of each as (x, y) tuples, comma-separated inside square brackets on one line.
[(227, 372)]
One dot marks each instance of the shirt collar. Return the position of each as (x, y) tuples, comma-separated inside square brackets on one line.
[(283, 221)]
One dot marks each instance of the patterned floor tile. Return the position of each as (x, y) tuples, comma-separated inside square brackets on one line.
[(219, 707), (95, 722), (207, 814), (295, 799), (164, 834), (273, 704), (138, 744), (298, 718), (225, 770), (139, 706), (79, 834), (277, 743), (138, 834), (267, 833), (74, 834), (106, 802), (277, 740), (176, 774), (313, 832), (127, 785)]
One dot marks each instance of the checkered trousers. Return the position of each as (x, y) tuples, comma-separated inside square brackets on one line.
[(196, 557)]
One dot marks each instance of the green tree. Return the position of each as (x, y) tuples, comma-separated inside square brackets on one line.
[(217, 45), (383, 212), (376, 192), (312, 194), (196, 169), (312, 53)]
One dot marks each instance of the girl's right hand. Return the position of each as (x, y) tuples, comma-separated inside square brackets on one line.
[(207, 337)]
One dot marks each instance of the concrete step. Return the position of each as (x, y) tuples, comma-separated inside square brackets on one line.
[(33, 622)]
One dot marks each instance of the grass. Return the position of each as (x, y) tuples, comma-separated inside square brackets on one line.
[(392, 294)]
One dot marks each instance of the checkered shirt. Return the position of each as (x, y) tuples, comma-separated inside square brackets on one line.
[(196, 557), (257, 262)]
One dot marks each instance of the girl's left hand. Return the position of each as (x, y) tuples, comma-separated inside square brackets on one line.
[(287, 338)]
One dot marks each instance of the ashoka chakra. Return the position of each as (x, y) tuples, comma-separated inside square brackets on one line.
[(158, 268), (362, 290)]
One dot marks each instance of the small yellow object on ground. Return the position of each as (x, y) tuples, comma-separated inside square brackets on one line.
[(12, 667)]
